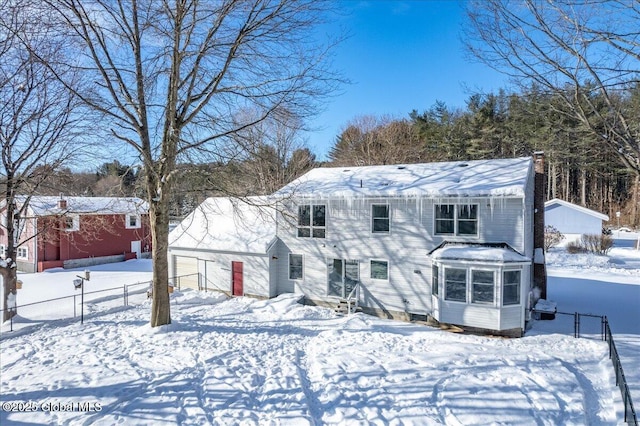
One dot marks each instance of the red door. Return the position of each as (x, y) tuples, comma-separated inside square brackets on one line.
[(236, 278)]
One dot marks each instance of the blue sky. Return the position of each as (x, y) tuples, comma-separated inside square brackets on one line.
[(400, 56)]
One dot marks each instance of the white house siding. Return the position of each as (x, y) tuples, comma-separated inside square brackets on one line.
[(496, 215), (406, 247), (528, 212), (214, 268)]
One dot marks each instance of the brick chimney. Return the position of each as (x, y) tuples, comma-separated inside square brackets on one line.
[(539, 268), (62, 203)]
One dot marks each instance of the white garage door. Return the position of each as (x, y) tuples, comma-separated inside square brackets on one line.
[(187, 271)]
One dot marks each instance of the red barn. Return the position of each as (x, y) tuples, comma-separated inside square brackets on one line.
[(78, 231)]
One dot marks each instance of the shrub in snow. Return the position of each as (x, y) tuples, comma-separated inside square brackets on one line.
[(575, 247), (552, 237), (599, 244)]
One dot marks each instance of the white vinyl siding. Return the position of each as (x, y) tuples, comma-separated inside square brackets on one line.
[(405, 249)]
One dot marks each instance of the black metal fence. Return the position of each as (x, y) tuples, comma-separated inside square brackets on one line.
[(629, 413), (586, 325), (67, 307)]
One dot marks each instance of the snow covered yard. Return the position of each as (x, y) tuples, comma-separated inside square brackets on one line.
[(243, 361)]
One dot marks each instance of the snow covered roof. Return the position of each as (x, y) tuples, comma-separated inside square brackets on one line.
[(557, 202), (228, 225), (475, 252), (503, 177), (47, 205)]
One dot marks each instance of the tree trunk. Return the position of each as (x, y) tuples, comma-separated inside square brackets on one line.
[(583, 187), (8, 275), (635, 200), (159, 217)]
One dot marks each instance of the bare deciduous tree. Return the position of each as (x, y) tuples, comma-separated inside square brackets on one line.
[(37, 121), (170, 76), (585, 52), (370, 140)]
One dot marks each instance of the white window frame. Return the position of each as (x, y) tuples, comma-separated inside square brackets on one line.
[(456, 219), (22, 253), (371, 269), (518, 286), (75, 225), (128, 218), (311, 227), (435, 280), (3, 251), (375, 218), (466, 284), (301, 266), (473, 284)]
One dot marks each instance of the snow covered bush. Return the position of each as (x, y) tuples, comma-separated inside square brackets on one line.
[(599, 244), (591, 243), (552, 237)]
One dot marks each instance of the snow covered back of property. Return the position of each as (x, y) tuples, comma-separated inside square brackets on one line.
[(503, 177)]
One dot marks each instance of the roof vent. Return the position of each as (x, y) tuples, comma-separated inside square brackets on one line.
[(463, 165), (402, 167), (346, 170)]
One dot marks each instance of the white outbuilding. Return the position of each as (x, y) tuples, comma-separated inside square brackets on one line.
[(573, 220), (226, 245)]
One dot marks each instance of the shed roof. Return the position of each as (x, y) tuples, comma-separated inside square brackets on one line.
[(558, 202), (502, 177), (42, 205), (226, 224)]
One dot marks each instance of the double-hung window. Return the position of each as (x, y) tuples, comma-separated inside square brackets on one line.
[(22, 253), (380, 219), (511, 287), (456, 219), (455, 284), (312, 221), (296, 267), (482, 285), (133, 221)]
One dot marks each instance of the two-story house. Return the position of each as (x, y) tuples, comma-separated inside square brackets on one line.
[(76, 231), (453, 241)]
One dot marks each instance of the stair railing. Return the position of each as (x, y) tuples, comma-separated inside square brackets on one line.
[(353, 297)]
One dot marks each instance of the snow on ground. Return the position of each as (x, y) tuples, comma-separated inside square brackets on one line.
[(243, 361)]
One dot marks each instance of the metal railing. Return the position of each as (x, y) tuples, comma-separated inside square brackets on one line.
[(630, 416), (353, 297), (629, 412), (124, 292)]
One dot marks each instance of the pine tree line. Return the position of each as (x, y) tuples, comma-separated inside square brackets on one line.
[(580, 169)]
